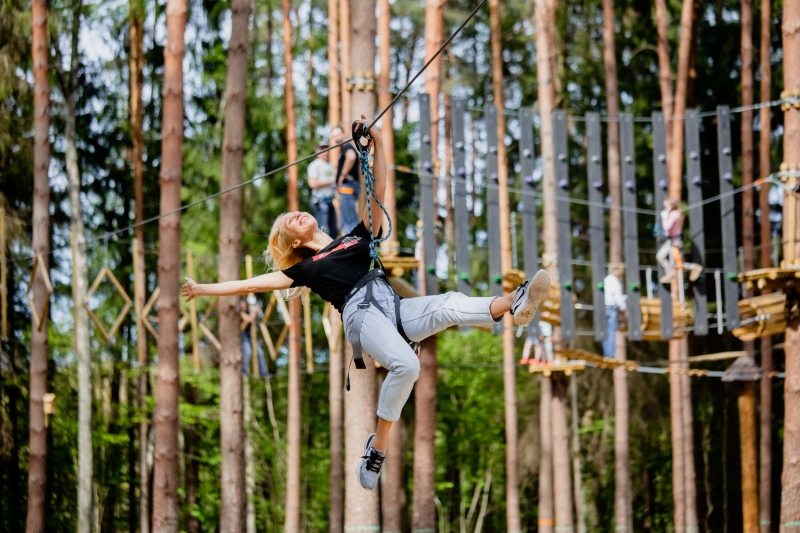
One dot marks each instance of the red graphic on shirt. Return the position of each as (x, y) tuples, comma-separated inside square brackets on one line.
[(346, 243)]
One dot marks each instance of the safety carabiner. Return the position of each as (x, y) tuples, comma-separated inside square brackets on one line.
[(360, 131)]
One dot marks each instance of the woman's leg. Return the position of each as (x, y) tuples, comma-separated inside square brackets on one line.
[(663, 256), (427, 315)]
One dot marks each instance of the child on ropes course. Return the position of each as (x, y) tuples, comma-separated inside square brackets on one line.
[(375, 318), (672, 226)]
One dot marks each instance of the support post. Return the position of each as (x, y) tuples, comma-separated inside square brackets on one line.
[(728, 212), (460, 211), (630, 228), (694, 188), (309, 342), (660, 175), (193, 314), (427, 208), (597, 239), (530, 234), (248, 262), (564, 225)]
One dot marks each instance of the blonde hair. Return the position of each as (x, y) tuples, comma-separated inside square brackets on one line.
[(280, 255)]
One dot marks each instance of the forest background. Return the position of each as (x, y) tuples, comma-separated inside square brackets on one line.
[(470, 419)]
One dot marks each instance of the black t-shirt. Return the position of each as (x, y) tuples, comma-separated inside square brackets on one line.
[(353, 174), (336, 269)]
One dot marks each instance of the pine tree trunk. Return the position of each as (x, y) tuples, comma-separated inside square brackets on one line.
[(748, 213), (165, 470), (545, 458), (509, 357), (192, 440), (387, 128), (546, 104), (665, 74), (334, 81), (681, 88), (347, 115), (249, 460), (577, 470), (135, 67), (336, 388), (434, 11), (269, 69), (562, 484), (37, 443), (690, 476), (362, 508), (790, 480), (676, 419), (392, 480), (747, 432), (765, 400), (424, 518), (293, 424), (233, 503)]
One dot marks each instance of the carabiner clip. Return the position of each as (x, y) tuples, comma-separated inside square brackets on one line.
[(360, 131)]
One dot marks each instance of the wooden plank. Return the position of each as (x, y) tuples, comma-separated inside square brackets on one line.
[(460, 212), (660, 176), (694, 188), (597, 235), (630, 228), (530, 233), (716, 356), (564, 225), (493, 207), (728, 213), (427, 196)]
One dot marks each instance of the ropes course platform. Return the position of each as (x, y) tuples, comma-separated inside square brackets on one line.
[(557, 368), (771, 278)]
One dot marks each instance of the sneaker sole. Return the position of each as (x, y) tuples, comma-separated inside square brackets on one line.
[(539, 289)]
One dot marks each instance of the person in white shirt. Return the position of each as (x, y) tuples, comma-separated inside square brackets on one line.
[(616, 303), (322, 180)]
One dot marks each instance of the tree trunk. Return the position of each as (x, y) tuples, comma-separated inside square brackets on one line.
[(37, 443), (233, 502), (747, 432), (434, 11), (790, 480), (165, 470), (665, 74), (336, 519), (690, 476), (546, 103), (425, 438), (334, 82), (622, 475), (684, 48), (269, 69), (392, 480), (545, 458), (387, 128), (293, 428), (765, 440), (249, 460), (344, 56), (562, 484), (748, 214), (676, 419), (577, 471), (192, 440), (80, 280), (509, 357), (135, 67)]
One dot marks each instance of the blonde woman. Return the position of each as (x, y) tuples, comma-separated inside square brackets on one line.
[(375, 318)]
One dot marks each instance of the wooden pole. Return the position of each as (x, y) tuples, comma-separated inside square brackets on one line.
[(248, 262), (336, 390), (193, 315), (747, 431), (334, 83), (309, 344)]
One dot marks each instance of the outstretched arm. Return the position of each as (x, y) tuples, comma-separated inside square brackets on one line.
[(274, 281), (379, 172)]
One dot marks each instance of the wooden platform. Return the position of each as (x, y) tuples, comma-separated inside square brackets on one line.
[(771, 278), (557, 368), (399, 265), (761, 316), (598, 360)]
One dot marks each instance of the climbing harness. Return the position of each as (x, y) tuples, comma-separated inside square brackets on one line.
[(363, 143)]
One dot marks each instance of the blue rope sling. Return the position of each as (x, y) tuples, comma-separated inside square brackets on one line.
[(360, 131)]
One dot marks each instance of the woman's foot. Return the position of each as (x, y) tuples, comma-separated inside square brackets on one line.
[(369, 469), (695, 272), (529, 296)]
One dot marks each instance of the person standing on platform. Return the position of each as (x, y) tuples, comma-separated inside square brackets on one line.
[(347, 182), (672, 226), (322, 180), (616, 304)]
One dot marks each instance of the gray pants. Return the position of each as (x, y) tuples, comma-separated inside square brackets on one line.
[(421, 317)]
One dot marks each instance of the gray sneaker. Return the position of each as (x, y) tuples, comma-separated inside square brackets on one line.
[(529, 297), (369, 469)]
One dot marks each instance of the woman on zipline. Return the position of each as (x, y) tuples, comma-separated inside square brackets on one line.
[(375, 318)]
